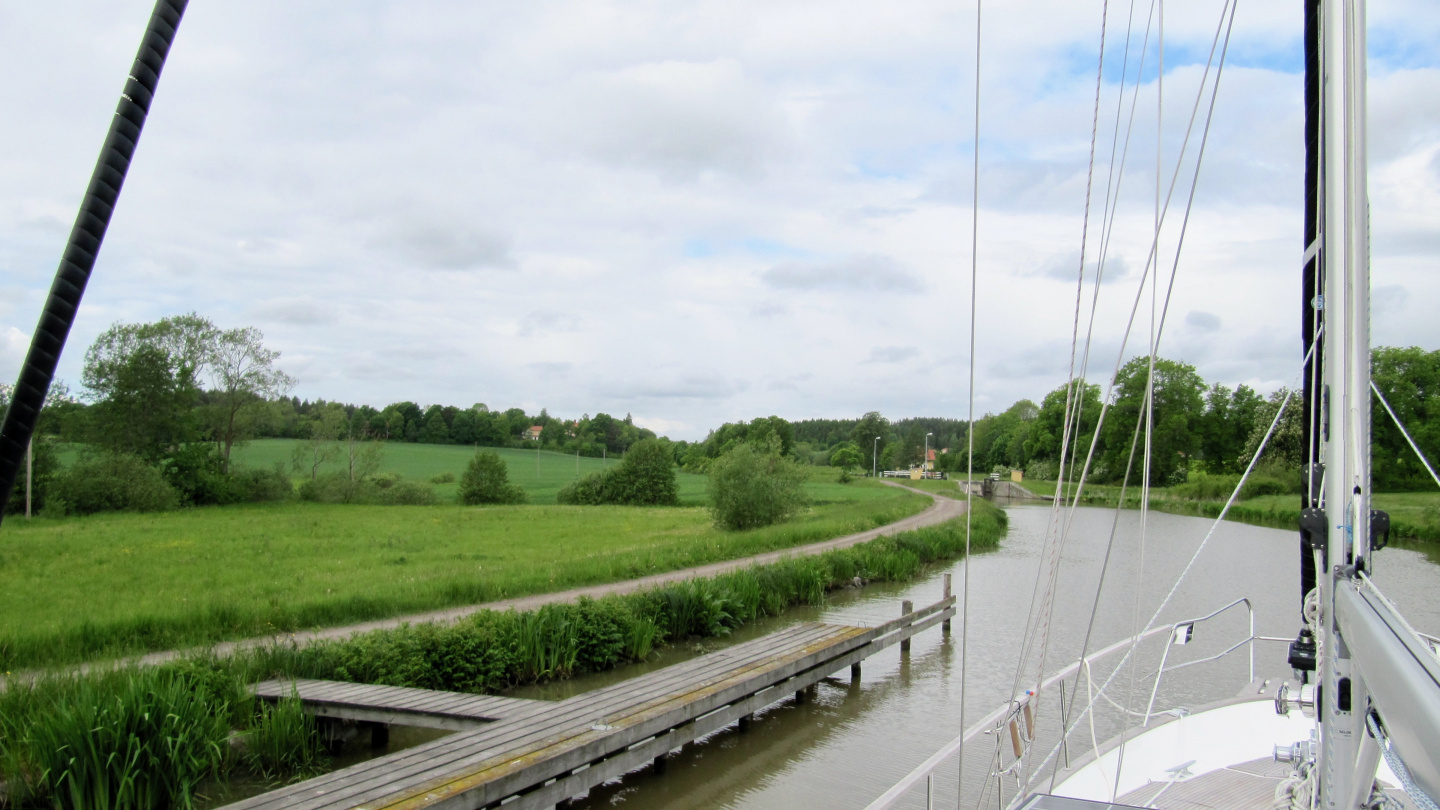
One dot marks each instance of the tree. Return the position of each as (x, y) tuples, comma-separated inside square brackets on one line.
[(1225, 428), (1286, 447), (867, 429), (1179, 405), (435, 431), (1047, 431), (846, 456), (487, 480), (462, 430), (322, 445), (244, 376), (752, 487), (1410, 380), (146, 405)]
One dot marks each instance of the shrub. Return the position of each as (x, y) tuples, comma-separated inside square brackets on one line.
[(114, 482), (487, 480), (443, 478), (256, 485), (587, 491), (646, 477), (195, 470), (43, 467), (336, 487), (1044, 470), (402, 493), (750, 487)]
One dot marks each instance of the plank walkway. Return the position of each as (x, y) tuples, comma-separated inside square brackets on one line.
[(400, 705), (540, 755)]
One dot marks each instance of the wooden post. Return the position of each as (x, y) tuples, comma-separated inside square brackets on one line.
[(379, 735), (855, 672), (945, 625), (663, 759), (906, 608), (800, 697), (746, 720), (29, 461)]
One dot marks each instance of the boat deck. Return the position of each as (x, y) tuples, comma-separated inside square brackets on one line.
[(1246, 786)]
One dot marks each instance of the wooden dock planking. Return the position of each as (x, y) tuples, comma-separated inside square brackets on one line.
[(573, 716), (451, 752), (539, 755), (427, 708)]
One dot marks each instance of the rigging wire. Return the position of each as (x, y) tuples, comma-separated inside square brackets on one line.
[(970, 415), (1157, 324), (1260, 450)]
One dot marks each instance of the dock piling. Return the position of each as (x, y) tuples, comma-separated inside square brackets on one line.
[(945, 625), (906, 608)]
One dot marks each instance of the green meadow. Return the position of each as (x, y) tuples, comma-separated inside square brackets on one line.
[(542, 473), (114, 584)]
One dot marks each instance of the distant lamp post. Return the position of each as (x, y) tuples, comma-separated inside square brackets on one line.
[(875, 458), (925, 462)]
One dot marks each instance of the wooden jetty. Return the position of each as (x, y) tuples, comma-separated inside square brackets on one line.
[(535, 754)]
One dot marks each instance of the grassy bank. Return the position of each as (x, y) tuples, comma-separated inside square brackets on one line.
[(1414, 516), (79, 589), (162, 733)]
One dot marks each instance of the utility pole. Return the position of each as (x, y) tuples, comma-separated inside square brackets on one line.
[(875, 458)]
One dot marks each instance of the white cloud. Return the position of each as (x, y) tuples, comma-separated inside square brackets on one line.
[(457, 202)]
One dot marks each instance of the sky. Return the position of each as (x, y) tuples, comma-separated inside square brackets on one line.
[(700, 212)]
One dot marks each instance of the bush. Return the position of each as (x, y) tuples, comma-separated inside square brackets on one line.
[(256, 485), (43, 466), (1264, 481), (645, 477), (587, 491), (750, 487), (336, 487), (443, 478), (114, 482), (1046, 470), (487, 480), (402, 493)]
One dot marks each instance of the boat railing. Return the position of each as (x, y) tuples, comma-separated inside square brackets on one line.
[(1013, 713)]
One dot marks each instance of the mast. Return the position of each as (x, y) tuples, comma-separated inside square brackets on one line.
[(1346, 363), (83, 246)]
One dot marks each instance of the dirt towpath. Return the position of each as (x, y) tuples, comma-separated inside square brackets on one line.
[(941, 510)]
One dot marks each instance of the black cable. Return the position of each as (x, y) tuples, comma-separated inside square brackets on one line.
[(81, 249)]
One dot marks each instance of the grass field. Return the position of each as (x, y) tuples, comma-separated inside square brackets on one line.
[(541, 473), (77, 589)]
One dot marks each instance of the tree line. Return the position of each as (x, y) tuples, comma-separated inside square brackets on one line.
[(1196, 427)]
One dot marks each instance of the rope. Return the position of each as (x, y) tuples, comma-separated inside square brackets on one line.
[(1418, 796), (970, 415), (1405, 433)]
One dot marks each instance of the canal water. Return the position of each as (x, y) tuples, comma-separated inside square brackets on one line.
[(848, 746)]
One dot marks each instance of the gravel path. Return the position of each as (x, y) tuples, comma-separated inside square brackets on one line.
[(941, 510)]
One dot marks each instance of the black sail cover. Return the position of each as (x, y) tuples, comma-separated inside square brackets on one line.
[(81, 249)]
